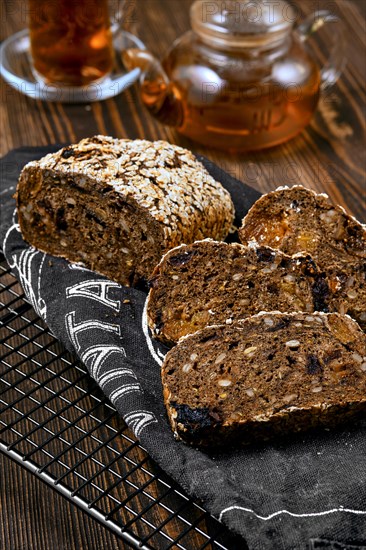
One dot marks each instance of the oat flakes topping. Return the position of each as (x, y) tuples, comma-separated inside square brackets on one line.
[(164, 178)]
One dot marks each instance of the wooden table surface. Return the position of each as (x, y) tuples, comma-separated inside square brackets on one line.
[(328, 156)]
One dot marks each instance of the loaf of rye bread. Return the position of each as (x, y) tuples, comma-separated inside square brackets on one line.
[(268, 375), (211, 282), (298, 220), (118, 205)]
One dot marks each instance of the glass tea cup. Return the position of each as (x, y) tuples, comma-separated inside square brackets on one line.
[(71, 41)]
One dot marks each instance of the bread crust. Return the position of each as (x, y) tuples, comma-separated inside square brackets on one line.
[(267, 376), (214, 282), (297, 220), (117, 205)]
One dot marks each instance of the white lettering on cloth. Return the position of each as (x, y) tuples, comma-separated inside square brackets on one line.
[(157, 355), (115, 395), (73, 329), (139, 420), (24, 263), (79, 266), (95, 290), (293, 514), (96, 356), (107, 377)]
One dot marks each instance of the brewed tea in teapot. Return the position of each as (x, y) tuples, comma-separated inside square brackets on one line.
[(242, 79)]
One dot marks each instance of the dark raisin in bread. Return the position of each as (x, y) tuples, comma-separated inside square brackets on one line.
[(212, 282), (298, 220), (117, 205), (268, 375)]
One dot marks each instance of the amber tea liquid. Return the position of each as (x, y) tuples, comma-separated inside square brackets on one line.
[(233, 122), (71, 41), (233, 113)]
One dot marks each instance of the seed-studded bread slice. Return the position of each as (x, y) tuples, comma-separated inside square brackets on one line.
[(117, 205), (298, 220), (211, 282), (265, 376), (347, 285)]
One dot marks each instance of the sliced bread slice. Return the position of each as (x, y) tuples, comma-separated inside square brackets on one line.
[(211, 282), (268, 375), (297, 220)]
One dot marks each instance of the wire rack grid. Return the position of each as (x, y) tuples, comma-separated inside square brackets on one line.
[(56, 423)]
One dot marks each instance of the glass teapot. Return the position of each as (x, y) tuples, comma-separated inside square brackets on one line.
[(242, 79)]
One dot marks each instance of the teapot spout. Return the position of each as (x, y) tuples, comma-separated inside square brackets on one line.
[(157, 92)]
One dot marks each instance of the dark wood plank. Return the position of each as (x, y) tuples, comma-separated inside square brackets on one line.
[(33, 517)]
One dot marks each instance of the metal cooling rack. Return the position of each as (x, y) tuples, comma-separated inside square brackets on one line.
[(56, 423)]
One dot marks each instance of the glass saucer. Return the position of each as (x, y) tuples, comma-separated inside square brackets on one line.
[(16, 69)]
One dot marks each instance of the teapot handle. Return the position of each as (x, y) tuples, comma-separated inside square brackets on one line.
[(335, 63)]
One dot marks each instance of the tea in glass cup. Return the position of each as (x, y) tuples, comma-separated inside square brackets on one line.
[(71, 41)]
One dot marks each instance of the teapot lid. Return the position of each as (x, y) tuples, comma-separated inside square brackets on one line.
[(242, 23)]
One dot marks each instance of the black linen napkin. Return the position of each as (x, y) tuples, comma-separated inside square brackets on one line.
[(307, 493)]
